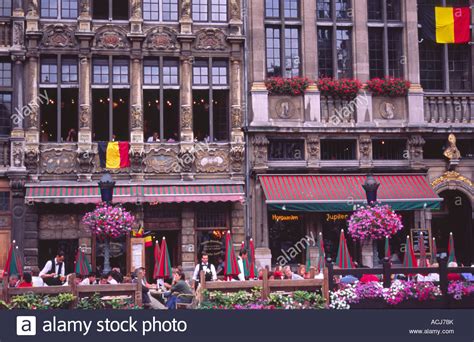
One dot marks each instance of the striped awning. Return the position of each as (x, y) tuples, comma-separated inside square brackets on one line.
[(90, 193), (333, 193)]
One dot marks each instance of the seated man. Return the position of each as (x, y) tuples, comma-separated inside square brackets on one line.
[(154, 138), (290, 275), (180, 287), (89, 280), (54, 273)]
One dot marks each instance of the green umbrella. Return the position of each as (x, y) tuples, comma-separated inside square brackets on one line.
[(82, 264), (409, 259), (451, 251), (231, 267), (156, 257), (322, 254), (388, 253), (343, 257), (245, 262), (253, 266), (13, 264), (308, 258), (434, 252), (164, 267)]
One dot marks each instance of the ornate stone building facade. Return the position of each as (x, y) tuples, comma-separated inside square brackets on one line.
[(164, 75), (309, 152)]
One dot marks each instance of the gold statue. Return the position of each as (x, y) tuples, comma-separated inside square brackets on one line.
[(452, 151)]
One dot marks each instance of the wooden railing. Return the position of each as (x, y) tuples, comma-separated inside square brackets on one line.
[(133, 290), (5, 33), (449, 108)]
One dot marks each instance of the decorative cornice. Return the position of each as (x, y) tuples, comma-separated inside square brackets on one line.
[(451, 176)]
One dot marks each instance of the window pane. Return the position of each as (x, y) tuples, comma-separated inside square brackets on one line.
[(325, 60), (120, 10), (344, 53), (220, 100), (151, 112), (49, 116), (120, 107), (395, 52), (273, 52), (170, 72), (324, 9), (393, 10), (69, 70), (219, 73), (100, 119), (151, 10), (219, 10), (291, 9), (286, 150), (376, 52), (460, 67), (170, 10), (199, 10), (100, 9), (292, 52), (434, 148), (5, 73), (171, 115), (390, 149), (272, 8), (201, 73), (49, 8), (151, 72), (5, 8), (120, 71), (49, 70), (100, 71), (69, 9), (343, 9), (4, 200), (375, 9), (431, 65), (5, 113), (201, 107), (338, 149), (69, 114)]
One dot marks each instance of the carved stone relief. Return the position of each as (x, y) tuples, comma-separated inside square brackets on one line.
[(58, 36), (58, 160), (212, 160), (111, 37), (162, 160), (210, 39), (162, 38)]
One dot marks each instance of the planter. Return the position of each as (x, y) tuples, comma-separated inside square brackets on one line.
[(464, 303), (380, 303), (282, 107), (389, 108)]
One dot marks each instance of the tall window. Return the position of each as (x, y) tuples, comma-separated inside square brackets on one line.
[(282, 37), (5, 96), (209, 10), (160, 10), (5, 8), (385, 38), (110, 9), (334, 38), (211, 100), (161, 99), (338, 149), (445, 67), (59, 98), (110, 98), (57, 9)]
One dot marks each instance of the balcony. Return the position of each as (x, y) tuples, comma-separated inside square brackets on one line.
[(446, 109), (5, 33)]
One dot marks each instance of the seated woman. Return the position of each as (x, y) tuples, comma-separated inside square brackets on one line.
[(179, 287)]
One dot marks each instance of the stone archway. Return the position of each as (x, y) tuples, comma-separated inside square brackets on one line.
[(456, 215)]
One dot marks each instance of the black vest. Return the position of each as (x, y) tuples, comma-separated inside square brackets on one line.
[(207, 273), (53, 268)]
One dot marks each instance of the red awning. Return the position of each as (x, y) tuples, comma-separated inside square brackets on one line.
[(90, 193), (340, 192)]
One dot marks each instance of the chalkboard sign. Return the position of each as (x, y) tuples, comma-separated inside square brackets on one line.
[(415, 235)]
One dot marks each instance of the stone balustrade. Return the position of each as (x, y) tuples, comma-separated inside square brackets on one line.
[(449, 108), (338, 111)]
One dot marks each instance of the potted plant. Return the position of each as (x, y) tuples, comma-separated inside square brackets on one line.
[(108, 222)]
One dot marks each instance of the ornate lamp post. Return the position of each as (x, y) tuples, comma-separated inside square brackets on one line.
[(106, 186), (371, 186)]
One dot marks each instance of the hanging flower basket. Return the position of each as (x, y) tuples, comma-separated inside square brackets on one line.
[(374, 223), (293, 86), (391, 87), (108, 221)]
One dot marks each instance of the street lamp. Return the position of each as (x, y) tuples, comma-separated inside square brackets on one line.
[(106, 186), (371, 186)]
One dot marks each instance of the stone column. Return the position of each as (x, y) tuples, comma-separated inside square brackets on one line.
[(312, 106), (17, 140), (136, 20), (416, 113), (236, 99), (259, 100), (32, 121), (188, 247), (85, 19), (237, 222), (361, 41), (263, 254), (136, 99), (309, 67), (85, 111), (186, 118), (17, 186)]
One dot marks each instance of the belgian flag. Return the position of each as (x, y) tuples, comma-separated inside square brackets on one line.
[(446, 25), (114, 154)]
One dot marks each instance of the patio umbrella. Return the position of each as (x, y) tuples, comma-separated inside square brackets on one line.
[(13, 264), (308, 258), (343, 257), (409, 259), (245, 262), (434, 252), (156, 257), (253, 267), (82, 264), (422, 251), (231, 267), (388, 253), (164, 266), (322, 254), (451, 251)]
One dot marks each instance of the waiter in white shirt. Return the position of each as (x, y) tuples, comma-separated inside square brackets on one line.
[(209, 270), (242, 258), (54, 273)]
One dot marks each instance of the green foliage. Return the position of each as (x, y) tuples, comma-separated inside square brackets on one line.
[(4, 306), (91, 303), (61, 301), (31, 301)]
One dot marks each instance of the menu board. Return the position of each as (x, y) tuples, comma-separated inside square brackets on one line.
[(415, 235), (138, 253)]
